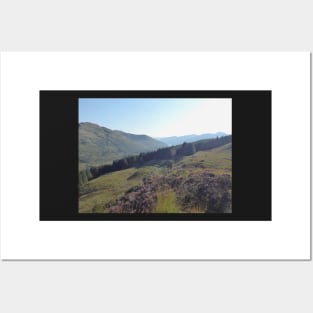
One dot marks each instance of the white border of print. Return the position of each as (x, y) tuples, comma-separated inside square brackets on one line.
[(287, 236)]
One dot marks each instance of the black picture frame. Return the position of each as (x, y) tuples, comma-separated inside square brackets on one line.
[(251, 155)]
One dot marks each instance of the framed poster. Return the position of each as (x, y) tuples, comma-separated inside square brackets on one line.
[(187, 156), (199, 170)]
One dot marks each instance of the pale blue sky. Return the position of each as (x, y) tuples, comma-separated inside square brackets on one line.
[(158, 117)]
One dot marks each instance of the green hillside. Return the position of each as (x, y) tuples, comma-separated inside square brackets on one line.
[(198, 183), (100, 145)]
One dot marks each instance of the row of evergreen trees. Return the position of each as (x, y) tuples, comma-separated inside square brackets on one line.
[(167, 153)]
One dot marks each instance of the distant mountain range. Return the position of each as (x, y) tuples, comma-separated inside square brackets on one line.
[(99, 145), (177, 140)]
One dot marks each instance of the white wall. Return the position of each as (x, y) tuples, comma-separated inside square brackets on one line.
[(150, 286)]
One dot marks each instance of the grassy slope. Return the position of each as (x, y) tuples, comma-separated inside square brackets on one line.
[(110, 186), (100, 145), (113, 185), (218, 160)]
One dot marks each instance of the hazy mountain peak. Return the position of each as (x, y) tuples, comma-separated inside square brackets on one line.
[(176, 140)]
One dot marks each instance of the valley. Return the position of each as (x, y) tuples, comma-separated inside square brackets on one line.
[(188, 178)]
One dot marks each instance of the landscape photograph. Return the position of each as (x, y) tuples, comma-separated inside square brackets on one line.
[(155, 155)]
